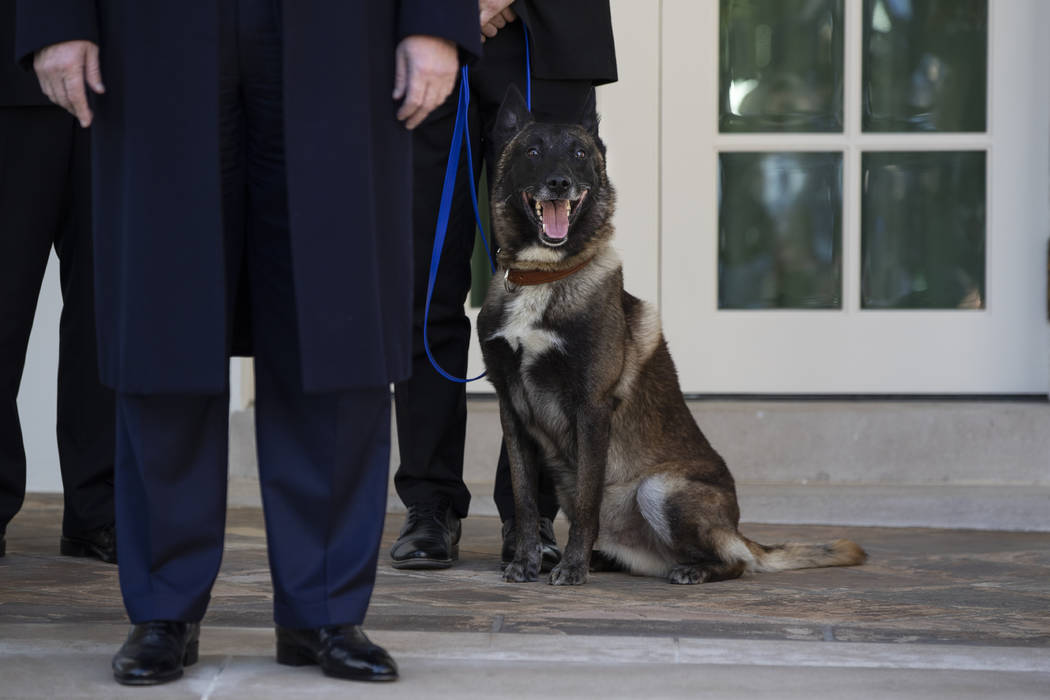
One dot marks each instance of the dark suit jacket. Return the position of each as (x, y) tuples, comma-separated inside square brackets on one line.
[(17, 87), (159, 254), (571, 39)]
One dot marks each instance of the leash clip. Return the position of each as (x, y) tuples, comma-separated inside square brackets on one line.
[(507, 284)]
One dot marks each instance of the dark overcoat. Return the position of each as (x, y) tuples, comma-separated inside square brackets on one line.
[(570, 40), (161, 274), (18, 88)]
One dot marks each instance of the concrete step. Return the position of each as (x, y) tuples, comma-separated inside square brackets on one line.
[(72, 661), (1014, 508), (853, 442), (955, 464)]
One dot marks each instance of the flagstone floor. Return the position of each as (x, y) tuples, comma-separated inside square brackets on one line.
[(938, 610)]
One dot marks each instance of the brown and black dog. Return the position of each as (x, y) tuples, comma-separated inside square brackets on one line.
[(587, 387)]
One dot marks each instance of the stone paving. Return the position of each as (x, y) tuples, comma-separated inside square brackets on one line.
[(938, 600)]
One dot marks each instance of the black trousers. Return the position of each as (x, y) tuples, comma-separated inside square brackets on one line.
[(45, 201), (323, 457), (432, 411)]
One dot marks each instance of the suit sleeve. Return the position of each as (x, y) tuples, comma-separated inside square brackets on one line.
[(560, 51), (41, 23), (457, 20)]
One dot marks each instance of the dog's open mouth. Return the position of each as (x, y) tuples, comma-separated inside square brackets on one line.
[(553, 217)]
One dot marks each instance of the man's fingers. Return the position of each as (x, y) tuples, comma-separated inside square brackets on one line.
[(46, 78), (93, 70), (58, 92), (415, 91), (430, 103), (438, 91), (488, 9), (77, 96), (449, 86), (45, 87), (499, 21), (400, 73), (63, 69), (413, 101), (422, 110), (431, 67)]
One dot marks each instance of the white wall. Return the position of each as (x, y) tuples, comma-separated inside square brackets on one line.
[(36, 399), (630, 127)]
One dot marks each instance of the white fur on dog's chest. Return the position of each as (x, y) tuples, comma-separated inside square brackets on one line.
[(521, 327)]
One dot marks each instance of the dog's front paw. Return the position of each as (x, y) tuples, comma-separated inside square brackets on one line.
[(565, 574), (686, 574), (522, 571)]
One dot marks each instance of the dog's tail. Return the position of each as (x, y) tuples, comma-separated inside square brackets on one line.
[(794, 555)]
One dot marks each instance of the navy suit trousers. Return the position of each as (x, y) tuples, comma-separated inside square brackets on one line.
[(323, 457)]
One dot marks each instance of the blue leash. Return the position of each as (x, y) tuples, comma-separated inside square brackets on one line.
[(461, 134)]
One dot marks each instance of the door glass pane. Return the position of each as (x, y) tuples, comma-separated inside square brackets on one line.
[(780, 231), (923, 230), (925, 65), (780, 65)]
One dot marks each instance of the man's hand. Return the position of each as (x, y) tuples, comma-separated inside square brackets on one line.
[(495, 15), (63, 69), (425, 73)]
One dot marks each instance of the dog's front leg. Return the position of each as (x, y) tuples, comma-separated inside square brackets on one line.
[(521, 452), (592, 449)]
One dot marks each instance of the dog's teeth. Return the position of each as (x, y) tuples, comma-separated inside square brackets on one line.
[(568, 207), (539, 210)]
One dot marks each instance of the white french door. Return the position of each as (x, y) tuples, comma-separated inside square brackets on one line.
[(851, 222)]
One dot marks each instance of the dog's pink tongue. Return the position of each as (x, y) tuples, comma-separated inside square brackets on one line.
[(555, 218)]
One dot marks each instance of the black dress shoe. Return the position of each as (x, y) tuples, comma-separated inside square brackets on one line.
[(156, 652), (342, 651), (429, 538), (550, 555), (3, 542), (100, 543)]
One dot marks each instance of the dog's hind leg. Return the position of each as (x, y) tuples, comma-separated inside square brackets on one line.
[(695, 522), (600, 561)]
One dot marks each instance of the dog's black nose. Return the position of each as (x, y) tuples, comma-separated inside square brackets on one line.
[(558, 184)]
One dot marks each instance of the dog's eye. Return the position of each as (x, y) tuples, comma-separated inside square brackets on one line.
[(533, 152), (580, 154)]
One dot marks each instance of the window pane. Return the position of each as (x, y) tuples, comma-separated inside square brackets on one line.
[(780, 231), (925, 65), (780, 65), (923, 230)]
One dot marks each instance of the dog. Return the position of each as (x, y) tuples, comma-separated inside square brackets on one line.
[(587, 387)]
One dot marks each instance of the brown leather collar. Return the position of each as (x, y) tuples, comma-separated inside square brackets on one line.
[(531, 277)]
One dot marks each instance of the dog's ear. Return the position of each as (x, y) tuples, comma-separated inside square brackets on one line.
[(513, 116), (589, 115)]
